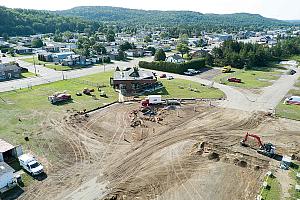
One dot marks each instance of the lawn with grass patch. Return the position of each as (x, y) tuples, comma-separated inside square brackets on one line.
[(51, 65), (289, 111), (27, 75), (273, 191), (295, 168), (23, 112), (295, 57), (179, 88), (251, 79)]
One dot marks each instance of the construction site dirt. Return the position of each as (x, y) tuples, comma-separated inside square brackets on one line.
[(182, 152)]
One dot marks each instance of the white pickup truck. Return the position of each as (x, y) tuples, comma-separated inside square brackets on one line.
[(30, 164)]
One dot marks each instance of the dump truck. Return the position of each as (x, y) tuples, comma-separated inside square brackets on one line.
[(59, 97), (226, 69)]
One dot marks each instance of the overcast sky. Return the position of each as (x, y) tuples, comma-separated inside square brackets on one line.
[(280, 9)]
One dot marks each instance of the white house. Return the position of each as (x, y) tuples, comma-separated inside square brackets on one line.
[(175, 59), (7, 179)]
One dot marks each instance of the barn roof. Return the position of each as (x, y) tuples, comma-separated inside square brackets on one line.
[(5, 146)]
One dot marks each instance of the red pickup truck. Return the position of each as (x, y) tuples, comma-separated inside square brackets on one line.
[(235, 80)]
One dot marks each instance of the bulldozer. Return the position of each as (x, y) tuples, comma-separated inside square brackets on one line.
[(267, 149)]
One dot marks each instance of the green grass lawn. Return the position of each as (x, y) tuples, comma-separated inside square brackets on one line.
[(51, 65), (251, 79), (273, 192), (27, 75), (178, 88), (296, 57), (293, 171), (289, 111)]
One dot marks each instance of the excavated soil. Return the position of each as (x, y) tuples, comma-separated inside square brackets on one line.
[(191, 152)]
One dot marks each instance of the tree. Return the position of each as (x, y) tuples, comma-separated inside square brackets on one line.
[(160, 55), (147, 39), (183, 48), (121, 55), (110, 36), (37, 43), (184, 39), (125, 46), (152, 49), (99, 48)]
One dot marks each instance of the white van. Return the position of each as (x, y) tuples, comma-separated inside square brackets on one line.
[(30, 164)]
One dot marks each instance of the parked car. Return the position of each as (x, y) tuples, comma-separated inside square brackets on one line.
[(163, 76), (295, 100), (31, 165), (188, 73), (170, 77), (235, 80)]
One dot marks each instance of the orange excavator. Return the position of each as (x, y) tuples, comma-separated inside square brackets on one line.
[(266, 149)]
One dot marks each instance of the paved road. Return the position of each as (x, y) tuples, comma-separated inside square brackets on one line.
[(236, 99), (46, 75)]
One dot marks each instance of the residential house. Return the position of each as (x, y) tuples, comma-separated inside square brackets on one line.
[(59, 57), (135, 52), (9, 71), (175, 59), (45, 56), (23, 50), (132, 81)]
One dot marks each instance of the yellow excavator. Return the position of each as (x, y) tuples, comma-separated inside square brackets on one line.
[(226, 69)]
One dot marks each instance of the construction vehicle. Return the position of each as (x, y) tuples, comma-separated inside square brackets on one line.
[(266, 149), (87, 91), (59, 97), (151, 100), (226, 69)]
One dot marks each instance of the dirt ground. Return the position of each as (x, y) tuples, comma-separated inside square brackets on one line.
[(187, 152)]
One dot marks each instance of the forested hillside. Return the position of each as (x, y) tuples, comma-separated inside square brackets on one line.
[(25, 22), (173, 18)]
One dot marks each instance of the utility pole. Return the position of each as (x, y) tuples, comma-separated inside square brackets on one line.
[(34, 65)]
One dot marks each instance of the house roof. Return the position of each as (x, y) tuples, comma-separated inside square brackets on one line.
[(5, 146), (8, 66), (133, 75), (176, 57), (5, 168)]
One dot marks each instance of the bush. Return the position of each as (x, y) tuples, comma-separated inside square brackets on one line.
[(173, 67)]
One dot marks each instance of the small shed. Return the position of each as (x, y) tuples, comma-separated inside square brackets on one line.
[(8, 151), (6, 176)]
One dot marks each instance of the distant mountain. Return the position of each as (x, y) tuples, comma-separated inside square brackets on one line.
[(24, 22), (170, 18)]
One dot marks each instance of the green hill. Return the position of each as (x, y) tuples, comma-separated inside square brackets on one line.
[(25, 22), (171, 18)]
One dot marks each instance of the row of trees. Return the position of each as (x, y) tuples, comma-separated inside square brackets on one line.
[(173, 67), (25, 22), (241, 55)]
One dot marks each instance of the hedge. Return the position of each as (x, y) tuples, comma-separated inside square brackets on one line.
[(173, 67)]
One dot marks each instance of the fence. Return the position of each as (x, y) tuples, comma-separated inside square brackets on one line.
[(90, 83)]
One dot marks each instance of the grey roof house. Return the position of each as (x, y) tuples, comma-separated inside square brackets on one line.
[(9, 71)]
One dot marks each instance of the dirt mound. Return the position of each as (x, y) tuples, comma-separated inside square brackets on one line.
[(213, 156)]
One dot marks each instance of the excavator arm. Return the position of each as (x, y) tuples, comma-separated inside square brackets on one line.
[(256, 137)]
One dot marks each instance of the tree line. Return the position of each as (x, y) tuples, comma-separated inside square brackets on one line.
[(18, 22), (248, 55)]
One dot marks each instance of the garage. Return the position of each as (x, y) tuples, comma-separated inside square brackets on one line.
[(9, 152)]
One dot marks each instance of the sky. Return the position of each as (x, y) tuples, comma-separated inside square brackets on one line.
[(279, 9)]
